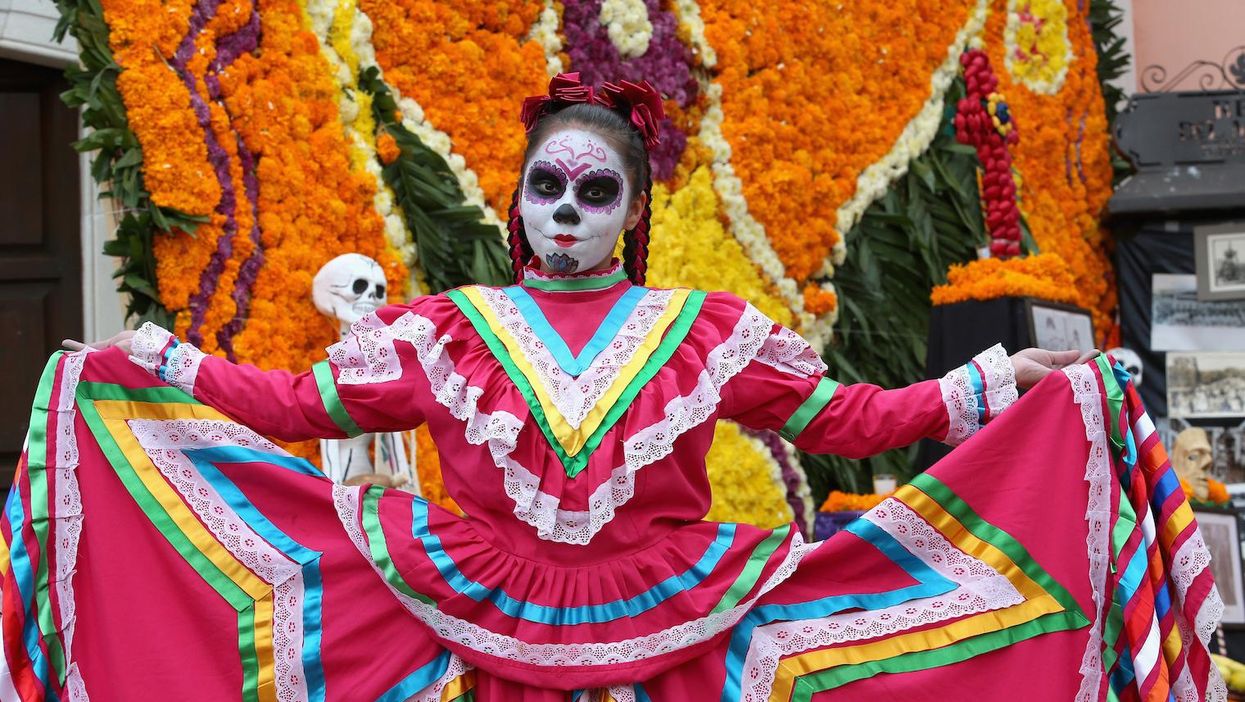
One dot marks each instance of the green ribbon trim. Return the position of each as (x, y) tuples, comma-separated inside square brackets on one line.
[(380, 549), (1071, 618), (147, 502), (808, 685), (822, 394), (332, 401), (248, 654), (520, 381), (574, 465), (575, 284), (1115, 401), (752, 569), (38, 517), (949, 501)]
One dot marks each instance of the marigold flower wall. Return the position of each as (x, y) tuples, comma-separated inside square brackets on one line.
[(785, 121)]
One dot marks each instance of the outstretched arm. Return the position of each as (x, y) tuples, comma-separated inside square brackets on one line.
[(362, 387), (786, 389)]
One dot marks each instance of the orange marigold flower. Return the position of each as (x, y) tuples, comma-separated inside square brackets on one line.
[(819, 301), (387, 148)]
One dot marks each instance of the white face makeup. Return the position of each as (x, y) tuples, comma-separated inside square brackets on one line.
[(575, 201)]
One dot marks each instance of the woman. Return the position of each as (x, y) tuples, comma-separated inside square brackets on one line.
[(573, 413)]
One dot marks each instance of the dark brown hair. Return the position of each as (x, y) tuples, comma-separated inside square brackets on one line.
[(625, 139)]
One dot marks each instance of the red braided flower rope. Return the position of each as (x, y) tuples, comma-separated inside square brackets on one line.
[(982, 121)]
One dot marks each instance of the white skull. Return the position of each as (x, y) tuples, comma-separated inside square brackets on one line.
[(349, 287), (1131, 361)]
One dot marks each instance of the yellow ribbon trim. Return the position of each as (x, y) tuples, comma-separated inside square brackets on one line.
[(570, 437), (458, 686), (1037, 603), (115, 414)]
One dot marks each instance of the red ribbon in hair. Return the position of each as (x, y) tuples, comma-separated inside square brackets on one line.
[(640, 101)]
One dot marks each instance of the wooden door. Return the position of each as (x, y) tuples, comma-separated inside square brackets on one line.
[(40, 243)]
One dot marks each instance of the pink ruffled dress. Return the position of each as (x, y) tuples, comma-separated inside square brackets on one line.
[(573, 415)]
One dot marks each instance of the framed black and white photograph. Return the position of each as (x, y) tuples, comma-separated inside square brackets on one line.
[(1056, 327), (1206, 384), (1219, 529), (1220, 253), (1179, 321)]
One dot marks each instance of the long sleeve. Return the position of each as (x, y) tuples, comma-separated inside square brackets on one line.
[(786, 389), (360, 388)]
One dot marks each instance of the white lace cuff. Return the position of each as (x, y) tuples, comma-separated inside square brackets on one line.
[(174, 362), (977, 392)]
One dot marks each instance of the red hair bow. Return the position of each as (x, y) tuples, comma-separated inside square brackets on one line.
[(564, 89), (641, 101)]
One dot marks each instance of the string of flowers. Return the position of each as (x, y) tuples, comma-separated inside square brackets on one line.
[(983, 121), (1065, 181)]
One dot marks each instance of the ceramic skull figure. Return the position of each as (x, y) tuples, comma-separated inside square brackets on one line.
[(345, 289), (348, 287), (1131, 361)]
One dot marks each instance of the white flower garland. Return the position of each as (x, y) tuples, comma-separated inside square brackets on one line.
[(321, 18), (915, 138), (746, 229), (413, 119), (544, 31), (688, 12), (628, 26)]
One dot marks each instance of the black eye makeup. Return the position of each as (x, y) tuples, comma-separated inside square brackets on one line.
[(599, 191), (545, 183)]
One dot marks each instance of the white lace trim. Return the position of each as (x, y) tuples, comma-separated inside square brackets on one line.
[(147, 350), (1086, 395), (147, 346), (368, 356), (790, 353), (457, 668), (964, 403), (183, 367), (576, 396), (981, 588), (67, 514), (164, 441), (604, 653)]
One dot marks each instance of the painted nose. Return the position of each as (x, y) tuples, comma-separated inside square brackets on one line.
[(566, 215)]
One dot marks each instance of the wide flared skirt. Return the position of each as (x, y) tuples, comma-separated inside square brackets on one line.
[(153, 546)]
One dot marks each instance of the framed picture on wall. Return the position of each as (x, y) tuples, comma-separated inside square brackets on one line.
[(1219, 252), (1210, 384), (1219, 529), (1057, 327)]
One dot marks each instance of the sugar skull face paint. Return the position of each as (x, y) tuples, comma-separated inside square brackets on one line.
[(573, 203)]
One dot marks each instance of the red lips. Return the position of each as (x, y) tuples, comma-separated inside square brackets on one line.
[(565, 240)]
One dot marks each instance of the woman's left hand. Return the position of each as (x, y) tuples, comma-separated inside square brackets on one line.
[(1033, 364)]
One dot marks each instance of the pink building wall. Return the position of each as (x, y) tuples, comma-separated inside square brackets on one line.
[(1175, 33)]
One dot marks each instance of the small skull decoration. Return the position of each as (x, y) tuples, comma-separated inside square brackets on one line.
[(349, 287), (1131, 361)]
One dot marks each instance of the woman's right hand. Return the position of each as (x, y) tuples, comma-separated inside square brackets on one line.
[(121, 339)]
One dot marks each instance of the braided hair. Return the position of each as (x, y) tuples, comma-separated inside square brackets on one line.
[(624, 138)]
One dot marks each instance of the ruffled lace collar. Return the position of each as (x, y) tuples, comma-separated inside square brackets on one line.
[(599, 279)]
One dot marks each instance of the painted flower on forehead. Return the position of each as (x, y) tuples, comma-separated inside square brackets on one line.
[(564, 89), (642, 100)]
